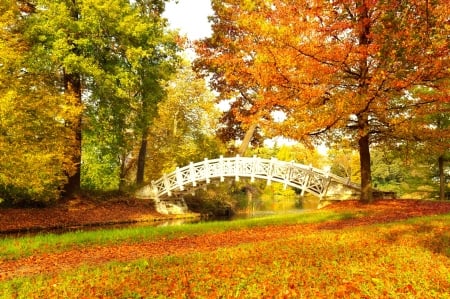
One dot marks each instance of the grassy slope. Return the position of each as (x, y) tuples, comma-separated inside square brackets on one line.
[(406, 259)]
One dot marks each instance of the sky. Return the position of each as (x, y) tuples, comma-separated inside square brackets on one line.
[(190, 17)]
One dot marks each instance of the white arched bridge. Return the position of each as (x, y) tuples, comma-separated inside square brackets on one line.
[(185, 179)]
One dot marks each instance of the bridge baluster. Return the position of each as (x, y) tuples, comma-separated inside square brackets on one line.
[(206, 170), (167, 185), (254, 168), (192, 174), (287, 175), (326, 183), (179, 177), (306, 179), (221, 168), (236, 167), (270, 170)]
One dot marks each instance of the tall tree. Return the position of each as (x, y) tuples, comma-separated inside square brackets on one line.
[(226, 59), (112, 56), (37, 139), (72, 87), (136, 53), (58, 42), (345, 65), (152, 68)]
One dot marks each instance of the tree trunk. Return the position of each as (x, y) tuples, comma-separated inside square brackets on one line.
[(366, 172), (247, 138), (441, 178), (125, 166), (141, 158), (72, 86), (363, 117)]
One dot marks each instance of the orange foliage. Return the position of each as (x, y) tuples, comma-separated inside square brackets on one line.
[(364, 67)]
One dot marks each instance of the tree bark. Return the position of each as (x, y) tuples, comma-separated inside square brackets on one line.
[(366, 172), (72, 86), (363, 117), (141, 158), (247, 138), (441, 161)]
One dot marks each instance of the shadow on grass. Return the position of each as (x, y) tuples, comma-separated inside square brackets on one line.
[(430, 233)]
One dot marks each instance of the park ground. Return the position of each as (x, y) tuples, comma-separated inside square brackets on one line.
[(79, 212), (364, 253), (91, 212)]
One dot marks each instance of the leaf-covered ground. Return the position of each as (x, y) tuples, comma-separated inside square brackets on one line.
[(75, 213), (337, 258)]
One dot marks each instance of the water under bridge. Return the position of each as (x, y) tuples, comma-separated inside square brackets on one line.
[(190, 177)]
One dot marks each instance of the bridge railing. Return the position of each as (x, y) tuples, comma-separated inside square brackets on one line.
[(306, 178)]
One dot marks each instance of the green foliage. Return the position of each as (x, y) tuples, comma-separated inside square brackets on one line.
[(297, 153), (101, 169), (407, 170), (134, 54), (120, 50)]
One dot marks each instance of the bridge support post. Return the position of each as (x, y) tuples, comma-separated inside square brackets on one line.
[(179, 177), (271, 170), (254, 168), (287, 174), (306, 180), (237, 168), (326, 184), (221, 168), (305, 183), (167, 185)]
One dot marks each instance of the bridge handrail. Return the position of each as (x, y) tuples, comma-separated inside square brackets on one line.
[(294, 174)]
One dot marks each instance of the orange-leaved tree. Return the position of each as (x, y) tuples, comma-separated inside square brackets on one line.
[(227, 58), (360, 69)]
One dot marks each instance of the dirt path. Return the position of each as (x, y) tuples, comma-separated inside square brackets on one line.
[(382, 211)]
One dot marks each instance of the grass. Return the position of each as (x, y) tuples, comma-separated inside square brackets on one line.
[(14, 248), (404, 259)]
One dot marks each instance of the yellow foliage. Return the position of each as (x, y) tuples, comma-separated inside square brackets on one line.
[(37, 137)]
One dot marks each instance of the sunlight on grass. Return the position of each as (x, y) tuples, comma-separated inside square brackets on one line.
[(405, 259)]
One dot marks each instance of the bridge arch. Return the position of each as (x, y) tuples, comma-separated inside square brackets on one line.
[(306, 178)]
